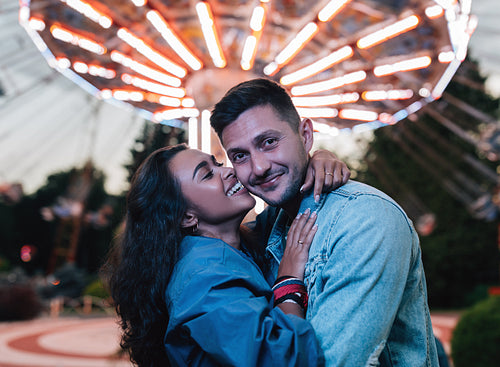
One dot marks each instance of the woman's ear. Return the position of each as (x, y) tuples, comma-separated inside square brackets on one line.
[(189, 219)]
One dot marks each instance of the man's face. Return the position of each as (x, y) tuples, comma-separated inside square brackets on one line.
[(270, 158)]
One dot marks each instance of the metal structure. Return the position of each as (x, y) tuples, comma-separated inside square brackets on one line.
[(349, 64)]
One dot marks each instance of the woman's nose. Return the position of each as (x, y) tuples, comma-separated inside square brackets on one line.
[(227, 172)]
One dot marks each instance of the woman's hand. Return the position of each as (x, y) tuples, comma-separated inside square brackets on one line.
[(326, 172), (299, 239)]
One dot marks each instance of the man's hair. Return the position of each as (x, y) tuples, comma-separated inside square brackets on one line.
[(249, 94)]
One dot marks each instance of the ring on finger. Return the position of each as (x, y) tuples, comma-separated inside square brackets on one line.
[(300, 242), (329, 173)]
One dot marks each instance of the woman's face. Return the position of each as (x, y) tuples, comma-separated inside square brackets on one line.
[(212, 191)]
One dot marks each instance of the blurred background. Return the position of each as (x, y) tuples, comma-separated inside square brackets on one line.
[(72, 132)]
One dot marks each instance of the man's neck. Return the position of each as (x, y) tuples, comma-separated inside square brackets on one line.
[(292, 207)]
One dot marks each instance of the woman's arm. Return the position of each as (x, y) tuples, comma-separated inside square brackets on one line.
[(221, 313), (292, 265), (326, 172)]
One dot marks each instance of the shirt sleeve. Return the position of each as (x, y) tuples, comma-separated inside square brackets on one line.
[(222, 316), (362, 282)]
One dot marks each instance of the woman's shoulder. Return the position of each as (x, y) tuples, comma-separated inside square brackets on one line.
[(202, 253), (206, 261)]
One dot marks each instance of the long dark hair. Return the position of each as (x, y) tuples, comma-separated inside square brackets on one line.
[(141, 262), (139, 267)]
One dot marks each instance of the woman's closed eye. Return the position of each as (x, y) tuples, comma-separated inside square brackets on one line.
[(208, 175)]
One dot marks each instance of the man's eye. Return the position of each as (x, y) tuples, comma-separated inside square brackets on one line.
[(238, 157), (269, 141)]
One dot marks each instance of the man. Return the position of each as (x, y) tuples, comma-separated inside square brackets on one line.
[(366, 284)]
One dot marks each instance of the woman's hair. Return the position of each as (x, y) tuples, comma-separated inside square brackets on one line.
[(139, 268), (141, 262)]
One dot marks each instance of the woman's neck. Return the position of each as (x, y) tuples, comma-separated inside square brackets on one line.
[(227, 232)]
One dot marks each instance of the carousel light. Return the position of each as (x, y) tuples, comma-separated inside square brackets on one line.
[(90, 12), (139, 3), (388, 32), (151, 54), (206, 132), (381, 95), (125, 95), (257, 19), (249, 49), (80, 67), (434, 11), (446, 56), (331, 9), (77, 40), (193, 132), (145, 70), (361, 115), (169, 101), (153, 87), (318, 66), (325, 129), (405, 65), (299, 41), (424, 92), (324, 112), (446, 4), (24, 12), (102, 72), (177, 113), (63, 62), (325, 85), (36, 24), (187, 102), (210, 34), (177, 45), (333, 99)]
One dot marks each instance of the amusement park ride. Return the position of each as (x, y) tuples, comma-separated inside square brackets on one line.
[(348, 64)]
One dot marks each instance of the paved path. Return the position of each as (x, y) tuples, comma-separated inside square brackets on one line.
[(61, 342), (93, 342), (443, 325)]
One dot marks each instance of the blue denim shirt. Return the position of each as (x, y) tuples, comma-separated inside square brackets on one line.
[(366, 283), (221, 313)]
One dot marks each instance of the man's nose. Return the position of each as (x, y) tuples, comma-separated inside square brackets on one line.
[(260, 164)]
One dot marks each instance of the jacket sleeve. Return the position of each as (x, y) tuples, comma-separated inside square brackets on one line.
[(363, 282), (222, 316)]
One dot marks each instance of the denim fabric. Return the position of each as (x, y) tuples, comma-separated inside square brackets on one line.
[(221, 313), (366, 283)]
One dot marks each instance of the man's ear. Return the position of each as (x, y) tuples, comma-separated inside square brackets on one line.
[(306, 133), (189, 219)]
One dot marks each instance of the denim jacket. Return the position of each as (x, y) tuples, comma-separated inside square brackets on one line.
[(366, 283), (221, 313)]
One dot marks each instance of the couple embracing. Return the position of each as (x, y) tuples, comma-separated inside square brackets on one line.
[(334, 279)]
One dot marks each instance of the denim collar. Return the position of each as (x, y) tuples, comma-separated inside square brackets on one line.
[(277, 239)]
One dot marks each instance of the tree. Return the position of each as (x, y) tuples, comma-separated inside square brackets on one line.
[(435, 166)]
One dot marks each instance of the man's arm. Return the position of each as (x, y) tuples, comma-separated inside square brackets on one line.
[(364, 282)]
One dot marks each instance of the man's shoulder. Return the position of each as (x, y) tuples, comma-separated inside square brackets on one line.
[(358, 195), (357, 190)]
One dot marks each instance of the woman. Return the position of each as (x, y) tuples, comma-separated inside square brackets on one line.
[(189, 285)]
